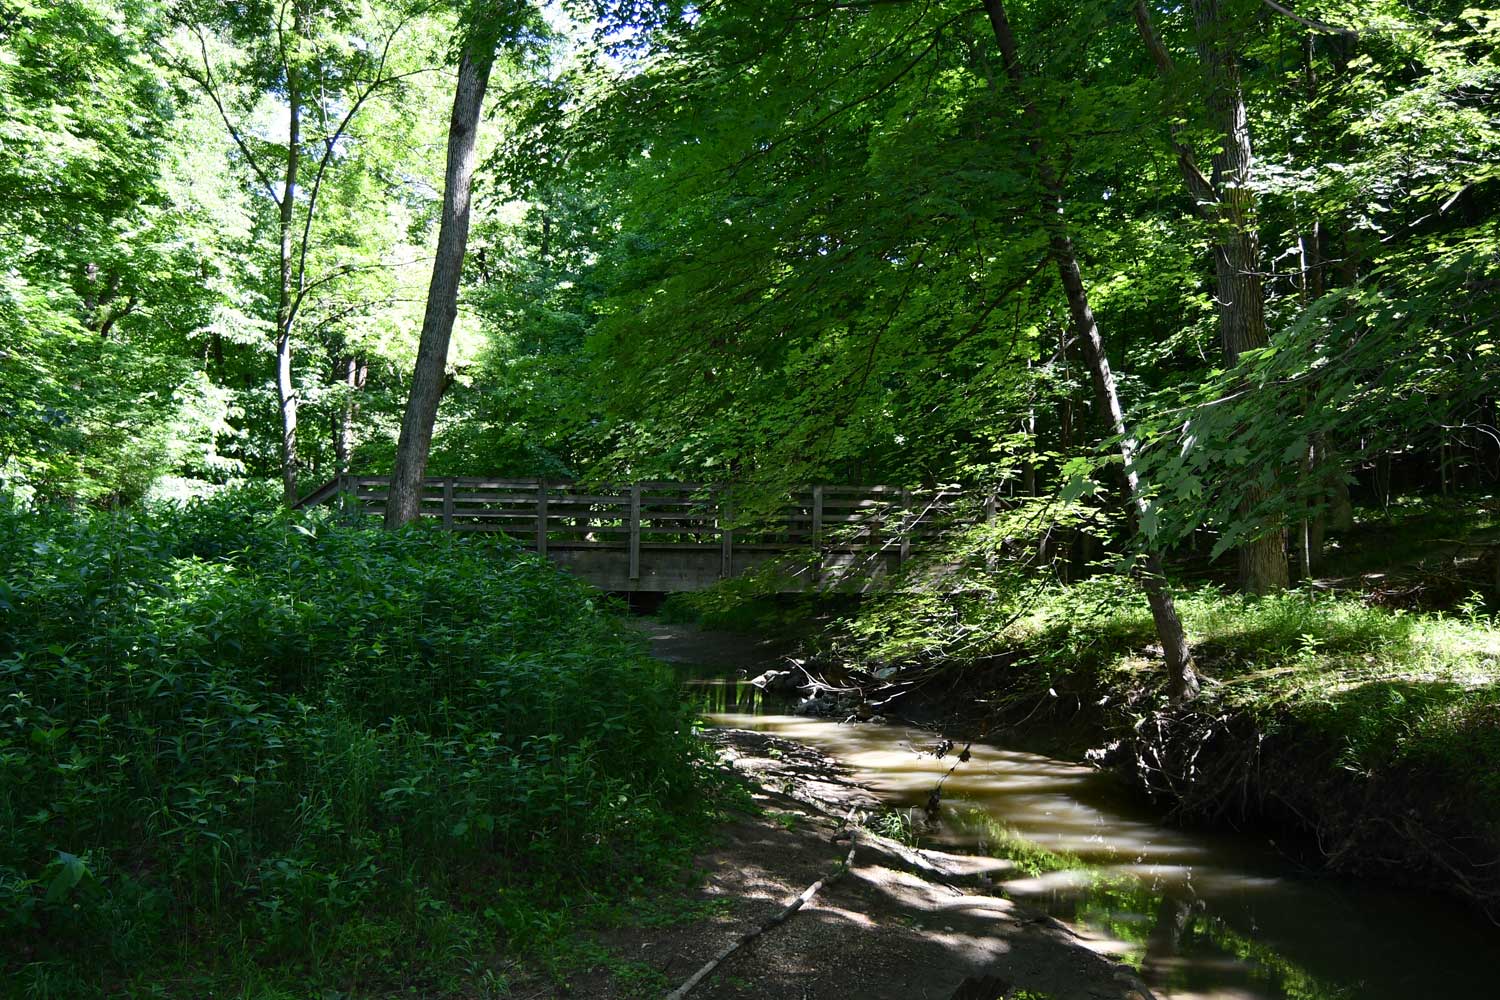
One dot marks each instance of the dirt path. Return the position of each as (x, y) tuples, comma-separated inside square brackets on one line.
[(899, 924)]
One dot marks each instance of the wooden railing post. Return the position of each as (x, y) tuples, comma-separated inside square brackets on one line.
[(541, 517), (726, 538), (635, 531), (906, 529), (448, 502), (817, 534)]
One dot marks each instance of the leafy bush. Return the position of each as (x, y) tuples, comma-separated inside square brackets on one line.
[(231, 739)]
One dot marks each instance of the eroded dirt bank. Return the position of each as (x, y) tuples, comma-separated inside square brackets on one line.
[(898, 924)]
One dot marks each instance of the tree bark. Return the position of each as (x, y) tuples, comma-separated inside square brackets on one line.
[(354, 375), (1227, 200), (1241, 297), (405, 498), (286, 387), (1182, 676)]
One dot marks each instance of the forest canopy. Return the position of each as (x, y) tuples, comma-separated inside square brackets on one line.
[(778, 244)]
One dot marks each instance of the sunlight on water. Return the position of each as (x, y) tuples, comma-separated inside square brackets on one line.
[(1200, 915)]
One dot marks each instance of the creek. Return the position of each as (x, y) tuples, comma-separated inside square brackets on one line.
[(1199, 914)]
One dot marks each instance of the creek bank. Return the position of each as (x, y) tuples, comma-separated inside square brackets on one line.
[(897, 924), (1275, 772), (1208, 763)]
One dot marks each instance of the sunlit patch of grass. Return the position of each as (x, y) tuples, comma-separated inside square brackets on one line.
[(901, 825)]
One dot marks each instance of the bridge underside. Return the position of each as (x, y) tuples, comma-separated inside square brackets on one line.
[(676, 537)]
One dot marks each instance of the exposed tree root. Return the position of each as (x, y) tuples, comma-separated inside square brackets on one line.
[(1223, 768)]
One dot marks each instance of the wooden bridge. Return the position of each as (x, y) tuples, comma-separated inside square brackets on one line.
[(663, 537)]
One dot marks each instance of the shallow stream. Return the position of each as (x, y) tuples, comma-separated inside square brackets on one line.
[(1200, 915)]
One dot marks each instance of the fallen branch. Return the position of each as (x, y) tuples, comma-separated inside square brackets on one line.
[(770, 922)]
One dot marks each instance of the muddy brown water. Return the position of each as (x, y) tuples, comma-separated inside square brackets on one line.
[(1199, 915)]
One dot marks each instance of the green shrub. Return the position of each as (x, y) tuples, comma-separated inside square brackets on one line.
[(235, 739)]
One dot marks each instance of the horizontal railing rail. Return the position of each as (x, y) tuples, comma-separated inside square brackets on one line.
[(835, 525)]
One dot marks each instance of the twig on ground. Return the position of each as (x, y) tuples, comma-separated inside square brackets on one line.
[(776, 919)]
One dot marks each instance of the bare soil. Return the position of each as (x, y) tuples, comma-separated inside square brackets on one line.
[(898, 924)]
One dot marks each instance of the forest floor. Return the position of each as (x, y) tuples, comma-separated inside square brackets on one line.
[(892, 924), (897, 924)]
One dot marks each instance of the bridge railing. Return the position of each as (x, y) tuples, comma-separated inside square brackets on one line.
[(843, 530)]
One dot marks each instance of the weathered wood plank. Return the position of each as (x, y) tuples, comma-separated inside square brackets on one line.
[(635, 532), (905, 535), (541, 517)]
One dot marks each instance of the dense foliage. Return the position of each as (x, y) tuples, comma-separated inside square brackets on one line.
[(250, 747), (778, 243), (1235, 263)]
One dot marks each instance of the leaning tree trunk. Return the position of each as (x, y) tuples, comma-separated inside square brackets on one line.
[(286, 387), (427, 384), (1182, 676)]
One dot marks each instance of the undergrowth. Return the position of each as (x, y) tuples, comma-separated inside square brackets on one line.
[(1373, 732), (256, 751), (1388, 686)]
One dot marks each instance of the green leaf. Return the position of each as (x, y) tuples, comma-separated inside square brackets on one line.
[(70, 871)]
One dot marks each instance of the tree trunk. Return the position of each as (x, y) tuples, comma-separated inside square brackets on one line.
[(442, 294), (354, 375), (1341, 514), (1182, 677), (1240, 297), (286, 388), (1228, 201)]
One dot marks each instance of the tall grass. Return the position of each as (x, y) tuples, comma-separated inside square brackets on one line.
[(233, 741)]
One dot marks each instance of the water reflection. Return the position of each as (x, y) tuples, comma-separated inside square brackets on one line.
[(1199, 915)]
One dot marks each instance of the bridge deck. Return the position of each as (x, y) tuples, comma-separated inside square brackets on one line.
[(662, 537)]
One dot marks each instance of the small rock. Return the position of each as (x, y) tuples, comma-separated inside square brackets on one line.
[(778, 681), (821, 706)]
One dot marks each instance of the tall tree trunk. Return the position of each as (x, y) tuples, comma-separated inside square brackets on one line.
[(442, 294), (286, 387), (1227, 200), (1241, 297), (354, 375), (1182, 677)]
